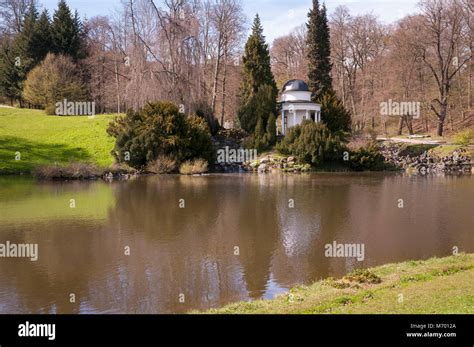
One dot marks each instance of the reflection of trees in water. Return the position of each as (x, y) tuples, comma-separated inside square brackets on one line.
[(191, 251), (435, 217), (305, 229), (67, 263), (257, 229)]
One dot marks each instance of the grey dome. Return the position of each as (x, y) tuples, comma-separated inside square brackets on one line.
[(295, 85)]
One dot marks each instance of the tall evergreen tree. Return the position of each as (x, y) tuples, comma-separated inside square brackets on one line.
[(67, 33), (10, 73), (257, 68), (333, 112), (16, 57), (258, 91), (319, 51), (24, 42), (42, 37)]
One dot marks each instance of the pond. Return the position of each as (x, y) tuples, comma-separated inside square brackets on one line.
[(171, 244)]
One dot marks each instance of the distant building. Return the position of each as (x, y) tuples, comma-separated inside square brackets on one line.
[(296, 105)]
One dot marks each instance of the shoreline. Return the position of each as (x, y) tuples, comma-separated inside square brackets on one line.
[(433, 286)]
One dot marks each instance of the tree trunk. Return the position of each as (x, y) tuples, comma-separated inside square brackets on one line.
[(408, 120), (400, 126), (224, 80), (216, 77), (117, 85), (442, 117), (440, 127)]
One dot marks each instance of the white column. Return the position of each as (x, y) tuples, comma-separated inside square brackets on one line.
[(283, 122), (307, 114)]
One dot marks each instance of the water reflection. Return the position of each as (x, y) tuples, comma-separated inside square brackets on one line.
[(236, 239)]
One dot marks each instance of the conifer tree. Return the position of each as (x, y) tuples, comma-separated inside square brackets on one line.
[(16, 57), (333, 113), (10, 73), (67, 33), (258, 90), (42, 43), (319, 51), (256, 63), (24, 43)]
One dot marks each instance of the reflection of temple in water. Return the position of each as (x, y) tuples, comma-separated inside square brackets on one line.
[(192, 251)]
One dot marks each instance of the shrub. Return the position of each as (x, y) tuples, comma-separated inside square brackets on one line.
[(357, 142), (367, 158), (159, 129), (205, 112), (199, 144), (50, 110), (363, 276), (163, 165), (237, 134), (464, 138), (74, 171), (334, 114), (412, 150), (312, 143), (194, 167), (55, 79)]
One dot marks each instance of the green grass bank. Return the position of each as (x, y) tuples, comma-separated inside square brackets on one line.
[(434, 286), (45, 140)]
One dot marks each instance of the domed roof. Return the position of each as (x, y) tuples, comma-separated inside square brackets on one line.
[(295, 85)]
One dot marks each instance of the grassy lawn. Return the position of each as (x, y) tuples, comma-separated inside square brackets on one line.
[(438, 285), (43, 139)]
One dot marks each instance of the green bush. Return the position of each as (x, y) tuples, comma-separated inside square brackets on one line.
[(334, 114), (367, 158), (204, 111), (312, 143), (159, 129), (464, 138), (198, 140)]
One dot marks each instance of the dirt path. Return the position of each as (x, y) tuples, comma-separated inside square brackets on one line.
[(412, 141)]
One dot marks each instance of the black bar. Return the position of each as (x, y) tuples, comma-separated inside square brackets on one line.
[(314, 330)]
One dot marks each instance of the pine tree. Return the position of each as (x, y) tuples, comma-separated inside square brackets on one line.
[(24, 42), (319, 51), (42, 37), (67, 33), (16, 58), (333, 112), (10, 80), (257, 79)]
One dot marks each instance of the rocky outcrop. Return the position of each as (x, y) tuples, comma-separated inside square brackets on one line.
[(226, 142), (458, 162), (272, 163)]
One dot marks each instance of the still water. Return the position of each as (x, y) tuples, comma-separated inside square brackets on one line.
[(147, 245)]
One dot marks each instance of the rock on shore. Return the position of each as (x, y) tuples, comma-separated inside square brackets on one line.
[(458, 162)]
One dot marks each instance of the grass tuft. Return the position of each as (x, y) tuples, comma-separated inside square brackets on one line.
[(194, 167)]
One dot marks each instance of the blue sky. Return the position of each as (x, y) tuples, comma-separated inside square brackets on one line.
[(279, 17)]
